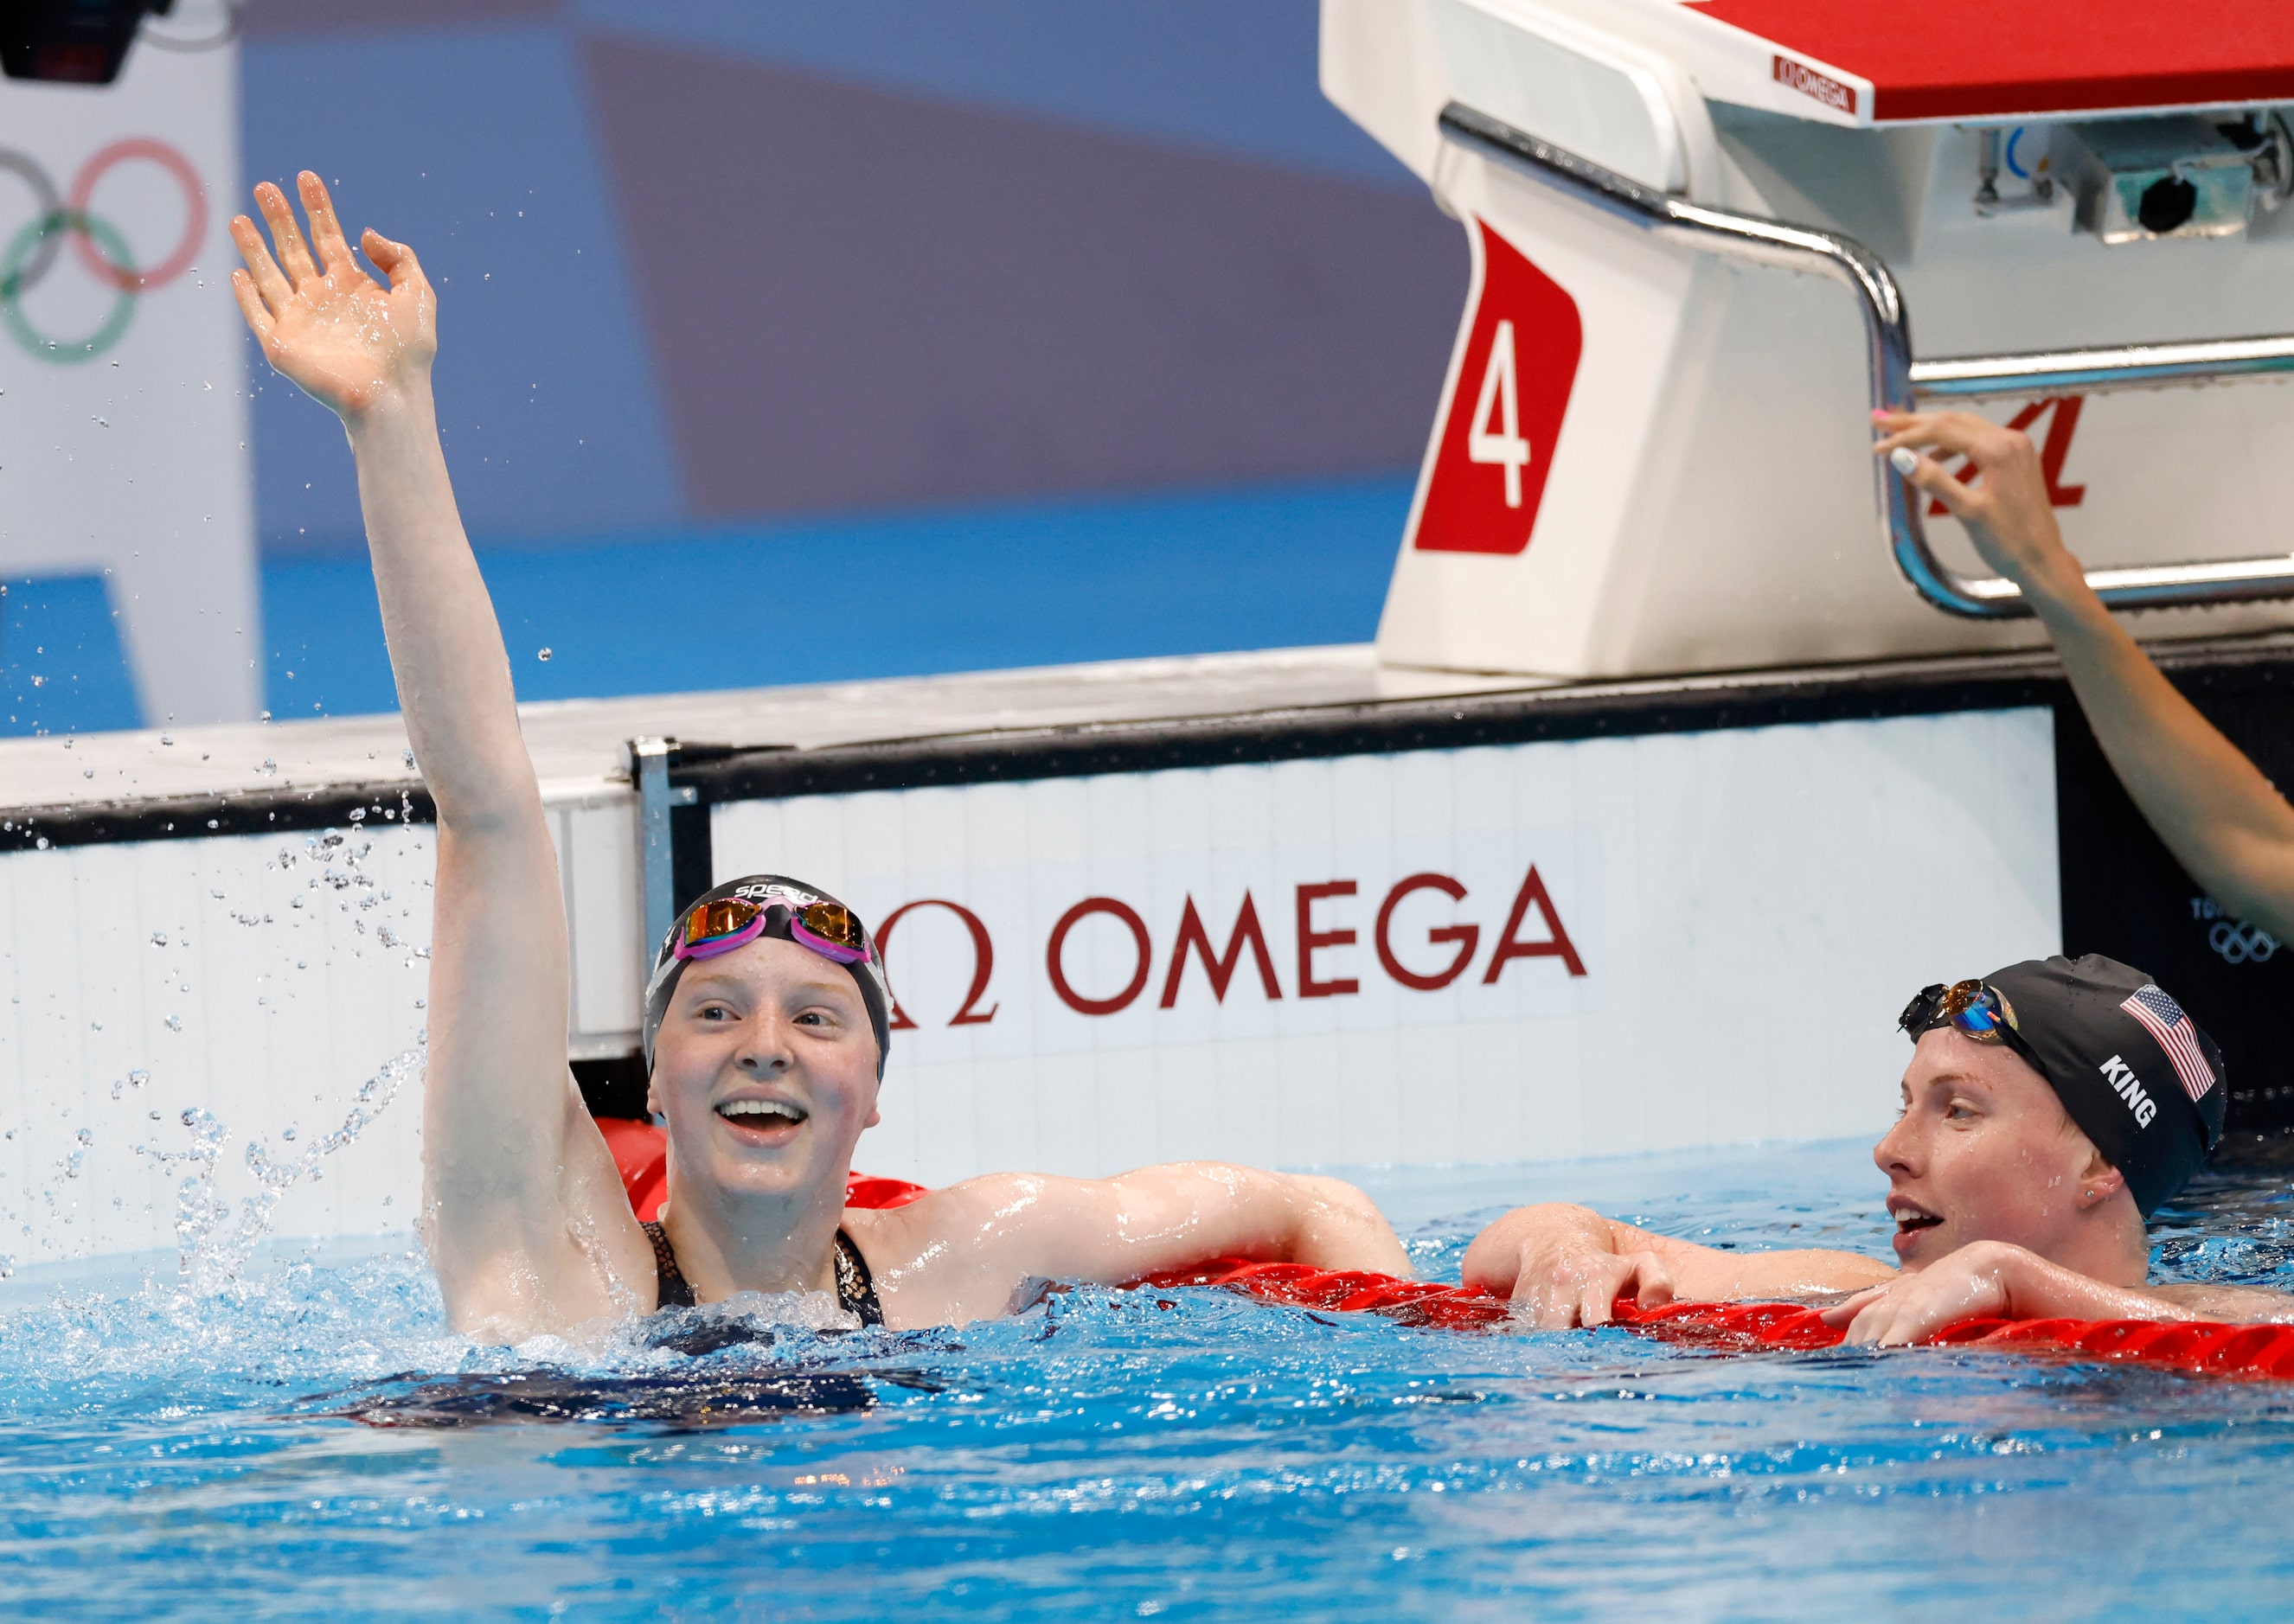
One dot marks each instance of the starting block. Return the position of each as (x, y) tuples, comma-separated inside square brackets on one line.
[(1698, 234)]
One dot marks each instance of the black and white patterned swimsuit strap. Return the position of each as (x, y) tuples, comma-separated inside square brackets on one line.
[(856, 1287), (672, 1288)]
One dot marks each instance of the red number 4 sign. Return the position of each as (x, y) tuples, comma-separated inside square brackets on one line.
[(1523, 339)]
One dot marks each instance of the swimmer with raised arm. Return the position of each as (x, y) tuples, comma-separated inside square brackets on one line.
[(766, 1018), (2049, 1110)]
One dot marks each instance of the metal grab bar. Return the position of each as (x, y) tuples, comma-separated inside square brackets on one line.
[(1895, 379), (2134, 365)]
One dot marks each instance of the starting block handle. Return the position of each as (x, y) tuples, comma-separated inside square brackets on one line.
[(1897, 380)]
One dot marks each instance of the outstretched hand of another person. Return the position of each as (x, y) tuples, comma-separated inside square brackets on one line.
[(2006, 510), (1560, 1267), (345, 339)]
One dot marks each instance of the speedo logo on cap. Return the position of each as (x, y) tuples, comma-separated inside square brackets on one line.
[(785, 893), (2128, 1087)]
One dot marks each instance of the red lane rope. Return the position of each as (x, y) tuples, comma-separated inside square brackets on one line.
[(641, 1156), (2202, 1347)]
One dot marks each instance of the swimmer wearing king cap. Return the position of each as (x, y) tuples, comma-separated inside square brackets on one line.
[(2049, 1110), (766, 1021)]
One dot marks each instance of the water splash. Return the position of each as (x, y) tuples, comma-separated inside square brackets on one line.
[(211, 1250)]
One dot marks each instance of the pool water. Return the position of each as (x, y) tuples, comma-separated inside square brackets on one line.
[(190, 1454)]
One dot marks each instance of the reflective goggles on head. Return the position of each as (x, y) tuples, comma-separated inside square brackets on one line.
[(1973, 1009), (828, 927)]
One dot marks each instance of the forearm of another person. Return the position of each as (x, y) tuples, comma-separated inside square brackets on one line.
[(1569, 1264), (1185, 1212), (960, 1253), (2225, 823)]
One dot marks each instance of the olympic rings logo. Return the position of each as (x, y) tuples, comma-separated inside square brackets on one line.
[(96, 243), (2241, 944)]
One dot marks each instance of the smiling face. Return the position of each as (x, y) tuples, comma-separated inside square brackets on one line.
[(1985, 1151), (766, 1067)]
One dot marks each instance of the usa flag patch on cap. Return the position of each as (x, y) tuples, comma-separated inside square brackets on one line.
[(2163, 1018)]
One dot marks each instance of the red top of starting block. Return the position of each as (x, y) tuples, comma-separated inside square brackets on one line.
[(1975, 58)]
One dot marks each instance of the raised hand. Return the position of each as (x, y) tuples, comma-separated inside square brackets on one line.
[(2006, 511), (346, 340)]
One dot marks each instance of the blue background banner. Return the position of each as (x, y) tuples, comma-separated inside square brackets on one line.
[(997, 335)]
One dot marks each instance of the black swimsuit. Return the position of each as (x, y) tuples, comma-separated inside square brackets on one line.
[(855, 1287)]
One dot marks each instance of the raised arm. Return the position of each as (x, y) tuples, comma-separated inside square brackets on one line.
[(1568, 1265), (2224, 822), (960, 1253), (522, 1210)]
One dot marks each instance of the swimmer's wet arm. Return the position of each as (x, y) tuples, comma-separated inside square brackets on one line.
[(1997, 1280), (1567, 1265), (986, 1236), (516, 1206), (365, 352), (2232, 1304), (1119, 1229)]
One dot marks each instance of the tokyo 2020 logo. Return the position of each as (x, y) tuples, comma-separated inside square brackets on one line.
[(97, 245)]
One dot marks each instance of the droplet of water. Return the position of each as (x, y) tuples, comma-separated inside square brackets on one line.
[(174, 1023), (159, 938), (287, 1134), (541, 654), (167, 738), (138, 1078)]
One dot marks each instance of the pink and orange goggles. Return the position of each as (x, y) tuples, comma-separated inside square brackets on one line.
[(828, 927)]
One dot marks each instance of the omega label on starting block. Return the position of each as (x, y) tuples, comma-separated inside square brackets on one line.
[(1820, 86)]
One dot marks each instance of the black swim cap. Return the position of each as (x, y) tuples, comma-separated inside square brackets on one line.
[(2132, 1070), (875, 990)]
